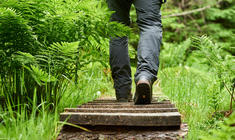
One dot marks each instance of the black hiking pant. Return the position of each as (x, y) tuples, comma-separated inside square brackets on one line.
[(149, 22)]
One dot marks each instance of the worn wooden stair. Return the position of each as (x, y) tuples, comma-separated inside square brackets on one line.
[(109, 112), (105, 116)]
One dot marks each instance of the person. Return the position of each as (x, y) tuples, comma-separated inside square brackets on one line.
[(149, 23)]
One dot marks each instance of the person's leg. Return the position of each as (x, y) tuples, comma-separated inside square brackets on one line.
[(149, 22), (119, 57)]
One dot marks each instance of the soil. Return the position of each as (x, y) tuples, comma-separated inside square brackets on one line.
[(123, 133)]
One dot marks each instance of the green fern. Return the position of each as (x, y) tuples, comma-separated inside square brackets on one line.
[(42, 42), (222, 64), (40, 76), (24, 58)]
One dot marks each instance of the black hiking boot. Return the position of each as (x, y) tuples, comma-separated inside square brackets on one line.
[(143, 94)]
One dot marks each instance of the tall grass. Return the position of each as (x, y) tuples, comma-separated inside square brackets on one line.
[(92, 83), (202, 87), (41, 123), (21, 124), (192, 91)]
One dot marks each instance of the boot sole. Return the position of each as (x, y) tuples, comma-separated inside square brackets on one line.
[(143, 94)]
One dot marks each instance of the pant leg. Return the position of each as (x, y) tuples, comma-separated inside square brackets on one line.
[(149, 22), (119, 57)]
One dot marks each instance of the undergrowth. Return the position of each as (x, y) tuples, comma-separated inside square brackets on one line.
[(202, 87), (42, 123), (191, 89)]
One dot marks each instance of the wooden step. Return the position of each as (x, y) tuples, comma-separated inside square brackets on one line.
[(114, 100), (109, 112), (121, 110), (128, 106), (118, 103), (109, 119), (123, 119)]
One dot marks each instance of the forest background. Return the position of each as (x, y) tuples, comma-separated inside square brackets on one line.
[(54, 54)]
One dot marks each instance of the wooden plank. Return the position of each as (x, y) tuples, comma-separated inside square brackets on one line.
[(118, 103), (114, 100), (124, 119), (129, 106), (123, 110)]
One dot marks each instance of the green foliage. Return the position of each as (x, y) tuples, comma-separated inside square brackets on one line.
[(40, 77), (172, 55), (220, 61), (190, 89), (16, 34), (65, 21), (41, 123), (22, 125), (48, 55), (198, 23), (225, 132), (212, 62), (59, 58), (222, 64), (43, 45), (216, 22), (204, 88)]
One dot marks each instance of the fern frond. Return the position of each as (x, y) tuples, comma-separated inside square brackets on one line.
[(24, 58), (41, 77)]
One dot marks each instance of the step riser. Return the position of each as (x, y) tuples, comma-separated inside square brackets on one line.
[(123, 119)]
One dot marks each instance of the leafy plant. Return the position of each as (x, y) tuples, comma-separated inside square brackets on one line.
[(43, 45), (221, 63), (225, 132)]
